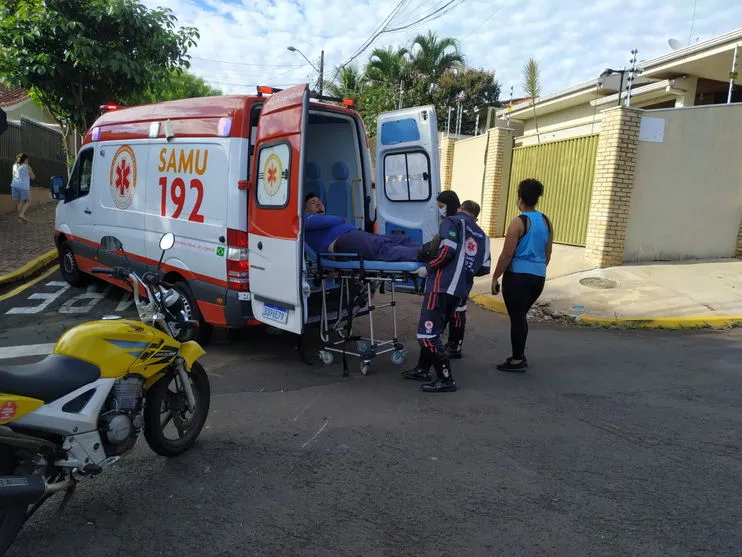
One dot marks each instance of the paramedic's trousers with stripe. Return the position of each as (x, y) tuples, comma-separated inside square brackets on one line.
[(435, 314)]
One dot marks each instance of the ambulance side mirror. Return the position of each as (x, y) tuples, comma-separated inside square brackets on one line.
[(57, 187), (167, 241)]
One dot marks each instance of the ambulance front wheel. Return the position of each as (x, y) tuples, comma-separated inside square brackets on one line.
[(68, 266), (189, 307)]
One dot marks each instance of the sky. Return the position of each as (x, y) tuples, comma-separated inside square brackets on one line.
[(244, 42)]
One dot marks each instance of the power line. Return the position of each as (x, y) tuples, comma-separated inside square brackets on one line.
[(378, 31), (241, 63), (478, 27), (435, 14), (692, 22)]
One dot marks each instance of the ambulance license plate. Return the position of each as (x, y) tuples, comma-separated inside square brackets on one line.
[(275, 313)]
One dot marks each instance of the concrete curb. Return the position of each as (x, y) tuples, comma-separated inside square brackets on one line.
[(712, 322), (29, 268), (497, 305), (490, 302)]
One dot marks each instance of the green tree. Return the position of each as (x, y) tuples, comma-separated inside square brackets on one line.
[(75, 55), (532, 87), (434, 56), (389, 66), (348, 84), (476, 88), (375, 99), (172, 85)]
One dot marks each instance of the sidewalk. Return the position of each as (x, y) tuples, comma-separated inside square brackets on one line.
[(659, 294), (25, 248)]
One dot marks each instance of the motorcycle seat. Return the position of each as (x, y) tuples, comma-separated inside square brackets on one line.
[(48, 379)]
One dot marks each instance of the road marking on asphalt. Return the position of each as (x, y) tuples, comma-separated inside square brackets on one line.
[(314, 437), (28, 284), (10, 352), (46, 297)]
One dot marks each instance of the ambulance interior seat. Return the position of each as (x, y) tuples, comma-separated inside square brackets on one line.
[(312, 183), (338, 193)]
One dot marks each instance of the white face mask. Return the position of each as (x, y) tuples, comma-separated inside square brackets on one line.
[(442, 211)]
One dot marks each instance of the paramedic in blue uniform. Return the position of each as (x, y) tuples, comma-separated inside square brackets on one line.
[(462, 255), (331, 234), (448, 205)]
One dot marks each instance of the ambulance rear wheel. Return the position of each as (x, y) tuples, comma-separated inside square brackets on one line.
[(68, 266), (187, 304)]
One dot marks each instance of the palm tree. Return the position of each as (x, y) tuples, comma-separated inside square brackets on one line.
[(532, 86), (348, 84), (388, 65), (434, 56)]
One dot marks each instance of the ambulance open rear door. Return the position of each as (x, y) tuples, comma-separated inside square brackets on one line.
[(408, 173), (275, 237)]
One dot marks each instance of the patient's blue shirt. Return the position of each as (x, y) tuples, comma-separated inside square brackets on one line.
[(322, 230)]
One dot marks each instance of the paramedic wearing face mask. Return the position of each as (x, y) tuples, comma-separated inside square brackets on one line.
[(331, 234), (462, 255), (448, 205)]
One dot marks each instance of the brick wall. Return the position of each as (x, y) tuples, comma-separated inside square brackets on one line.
[(614, 178), (446, 158), (496, 178)]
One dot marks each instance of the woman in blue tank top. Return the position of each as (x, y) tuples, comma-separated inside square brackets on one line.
[(522, 265)]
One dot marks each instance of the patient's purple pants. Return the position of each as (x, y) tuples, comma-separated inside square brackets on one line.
[(377, 247)]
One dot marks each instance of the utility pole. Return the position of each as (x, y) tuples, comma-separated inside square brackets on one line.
[(401, 93), (321, 71)]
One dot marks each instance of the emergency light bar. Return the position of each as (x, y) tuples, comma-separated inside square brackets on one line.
[(108, 107), (266, 90)]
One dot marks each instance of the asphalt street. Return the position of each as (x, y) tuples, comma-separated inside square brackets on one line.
[(613, 443)]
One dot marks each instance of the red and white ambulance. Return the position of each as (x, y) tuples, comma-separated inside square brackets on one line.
[(228, 176)]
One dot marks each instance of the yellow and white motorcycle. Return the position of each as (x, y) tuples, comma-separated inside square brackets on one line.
[(85, 406)]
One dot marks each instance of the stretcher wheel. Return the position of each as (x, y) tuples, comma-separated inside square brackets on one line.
[(365, 367), (326, 357), (399, 357), (364, 347)]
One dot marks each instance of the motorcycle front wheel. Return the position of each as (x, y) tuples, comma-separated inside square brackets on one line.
[(166, 412)]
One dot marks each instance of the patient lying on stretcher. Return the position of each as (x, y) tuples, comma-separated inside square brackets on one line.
[(331, 234)]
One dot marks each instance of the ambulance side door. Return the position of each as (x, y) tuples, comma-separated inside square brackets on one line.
[(275, 236), (408, 173)]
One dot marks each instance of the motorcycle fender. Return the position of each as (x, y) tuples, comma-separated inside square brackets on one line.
[(13, 407), (191, 351)]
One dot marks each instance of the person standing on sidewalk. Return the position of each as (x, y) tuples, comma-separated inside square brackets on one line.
[(522, 265), (463, 254), (20, 187)]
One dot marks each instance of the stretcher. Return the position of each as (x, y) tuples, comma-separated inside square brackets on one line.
[(357, 279)]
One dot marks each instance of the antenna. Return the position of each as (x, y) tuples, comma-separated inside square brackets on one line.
[(675, 44)]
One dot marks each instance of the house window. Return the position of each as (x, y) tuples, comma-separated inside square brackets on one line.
[(407, 176)]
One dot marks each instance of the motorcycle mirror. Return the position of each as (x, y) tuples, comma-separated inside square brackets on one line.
[(111, 243), (167, 241)]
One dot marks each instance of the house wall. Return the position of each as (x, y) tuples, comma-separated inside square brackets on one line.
[(29, 110), (686, 199), (580, 120), (468, 168)]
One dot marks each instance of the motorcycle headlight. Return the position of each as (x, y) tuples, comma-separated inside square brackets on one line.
[(169, 297)]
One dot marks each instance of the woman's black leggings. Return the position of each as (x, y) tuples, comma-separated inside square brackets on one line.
[(520, 291)]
